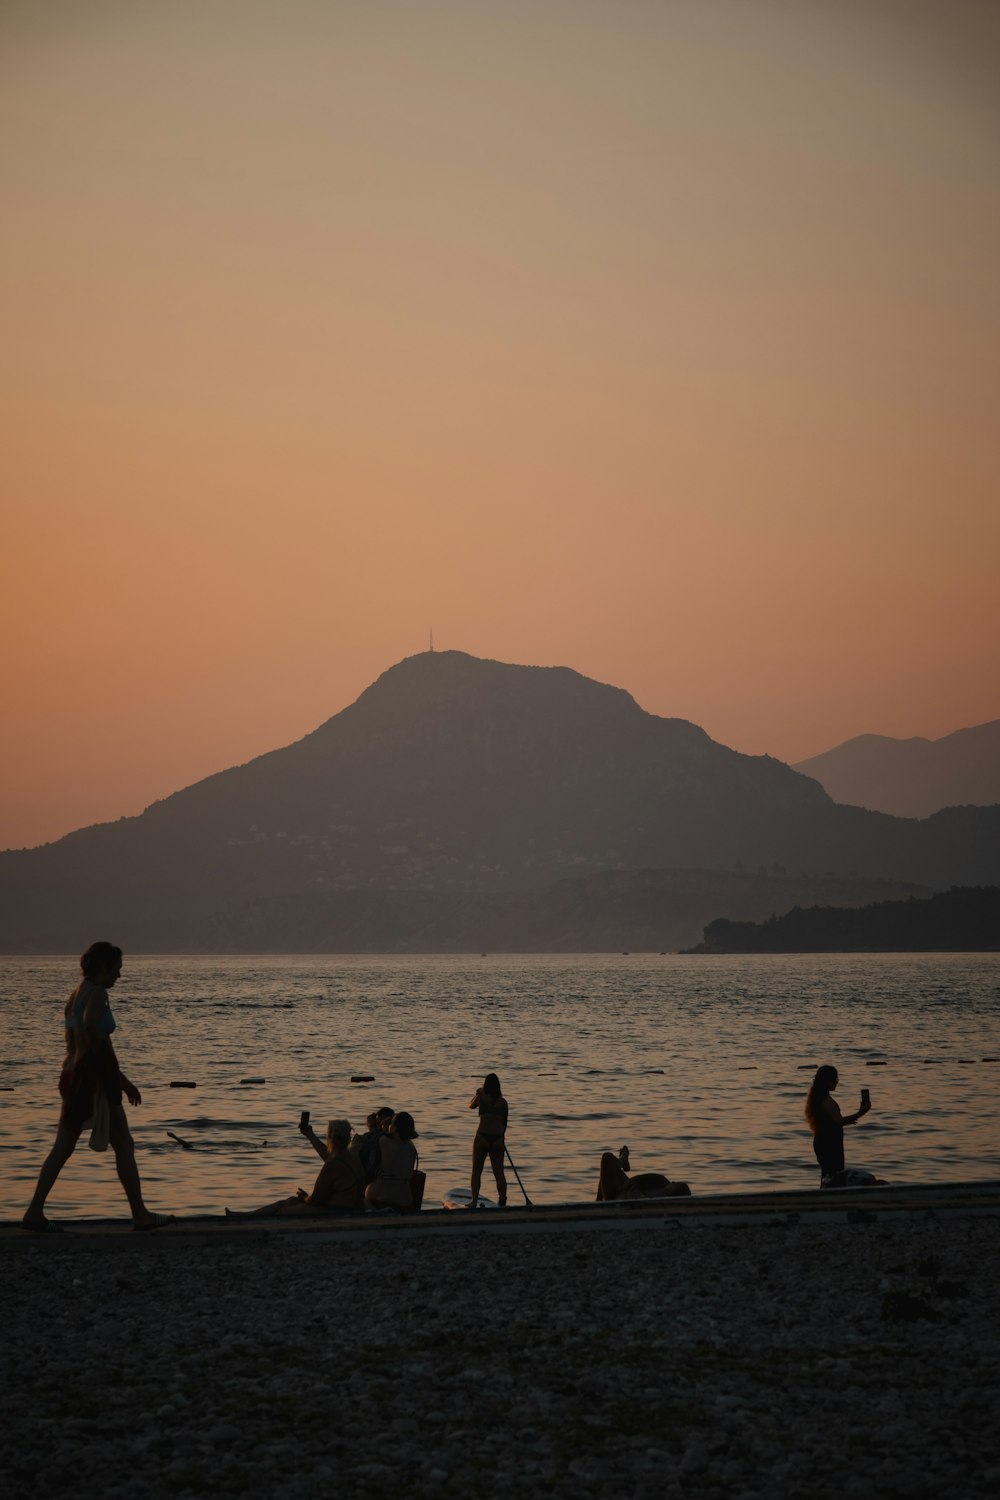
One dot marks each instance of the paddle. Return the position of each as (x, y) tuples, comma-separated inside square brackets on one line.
[(527, 1200)]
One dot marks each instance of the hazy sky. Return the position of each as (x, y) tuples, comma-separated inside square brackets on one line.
[(660, 340)]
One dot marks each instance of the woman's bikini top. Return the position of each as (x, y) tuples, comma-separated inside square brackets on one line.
[(492, 1114), (105, 1023)]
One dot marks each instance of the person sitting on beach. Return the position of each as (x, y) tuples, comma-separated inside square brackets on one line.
[(339, 1186), (392, 1186), (824, 1119), (616, 1183), (488, 1140), (369, 1145)]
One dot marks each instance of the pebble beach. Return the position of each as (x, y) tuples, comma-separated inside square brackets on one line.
[(759, 1359)]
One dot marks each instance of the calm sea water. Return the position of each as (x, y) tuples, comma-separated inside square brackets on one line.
[(700, 1065)]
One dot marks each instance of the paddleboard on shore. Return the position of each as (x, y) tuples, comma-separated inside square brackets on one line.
[(462, 1198)]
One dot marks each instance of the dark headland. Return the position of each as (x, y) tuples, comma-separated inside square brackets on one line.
[(956, 921), (469, 805)]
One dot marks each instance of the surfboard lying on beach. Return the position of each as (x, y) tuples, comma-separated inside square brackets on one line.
[(462, 1198)]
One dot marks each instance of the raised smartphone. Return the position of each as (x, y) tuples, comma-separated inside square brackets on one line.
[(303, 1119), (866, 1097)]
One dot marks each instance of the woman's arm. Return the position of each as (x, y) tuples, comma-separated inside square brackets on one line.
[(832, 1108), (95, 1007), (474, 1101), (318, 1145)]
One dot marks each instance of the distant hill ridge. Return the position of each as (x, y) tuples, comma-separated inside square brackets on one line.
[(955, 921), (460, 777), (912, 778), (632, 910)]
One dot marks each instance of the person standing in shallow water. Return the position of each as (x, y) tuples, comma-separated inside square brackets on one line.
[(91, 1069), (488, 1140), (824, 1119)]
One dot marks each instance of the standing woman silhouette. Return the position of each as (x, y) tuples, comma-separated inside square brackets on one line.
[(489, 1137), (90, 1069)]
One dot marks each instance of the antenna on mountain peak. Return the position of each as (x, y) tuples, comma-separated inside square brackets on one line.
[(432, 637)]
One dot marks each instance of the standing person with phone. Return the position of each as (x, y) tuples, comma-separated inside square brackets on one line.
[(824, 1119)]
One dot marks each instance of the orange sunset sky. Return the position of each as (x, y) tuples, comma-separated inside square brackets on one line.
[(659, 340)]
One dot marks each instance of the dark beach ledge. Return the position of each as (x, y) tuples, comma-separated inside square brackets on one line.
[(845, 1205), (841, 1343)]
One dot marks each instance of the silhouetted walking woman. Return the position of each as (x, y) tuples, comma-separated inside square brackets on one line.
[(92, 1084), (488, 1140)]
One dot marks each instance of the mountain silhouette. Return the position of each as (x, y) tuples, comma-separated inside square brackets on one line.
[(912, 778), (459, 778)]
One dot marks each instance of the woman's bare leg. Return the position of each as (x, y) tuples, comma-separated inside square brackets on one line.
[(496, 1162), (272, 1210), (478, 1162), (613, 1180), (65, 1143), (123, 1146)]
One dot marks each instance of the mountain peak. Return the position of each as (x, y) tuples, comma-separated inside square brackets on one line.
[(458, 670), (912, 777), (440, 685)]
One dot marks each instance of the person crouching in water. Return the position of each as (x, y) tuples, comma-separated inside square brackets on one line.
[(488, 1140), (824, 1119), (616, 1183)]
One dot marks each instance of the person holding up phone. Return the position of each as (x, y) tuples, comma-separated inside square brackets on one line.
[(340, 1184), (323, 1148), (826, 1122)]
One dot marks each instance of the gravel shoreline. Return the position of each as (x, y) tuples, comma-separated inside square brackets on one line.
[(776, 1359)]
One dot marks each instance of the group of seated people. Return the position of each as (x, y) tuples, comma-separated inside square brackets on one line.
[(375, 1170), (379, 1170)]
